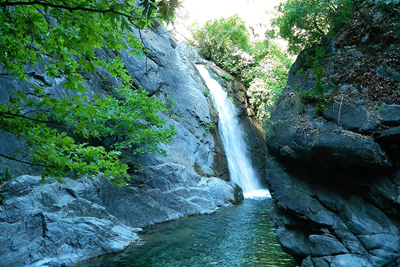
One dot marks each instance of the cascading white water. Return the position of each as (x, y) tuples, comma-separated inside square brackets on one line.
[(239, 163)]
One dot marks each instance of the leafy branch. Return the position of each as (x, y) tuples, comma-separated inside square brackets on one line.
[(65, 37)]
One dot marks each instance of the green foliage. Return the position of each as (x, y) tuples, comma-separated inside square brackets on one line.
[(386, 4), (6, 176), (318, 94), (267, 77), (171, 105), (3, 179), (305, 23), (130, 121), (226, 76), (68, 32), (63, 36), (209, 127), (268, 127), (271, 63), (221, 41)]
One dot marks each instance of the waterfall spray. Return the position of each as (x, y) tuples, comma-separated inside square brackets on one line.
[(231, 132)]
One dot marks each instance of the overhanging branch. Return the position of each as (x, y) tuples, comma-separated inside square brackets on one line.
[(71, 9), (25, 162), (10, 115)]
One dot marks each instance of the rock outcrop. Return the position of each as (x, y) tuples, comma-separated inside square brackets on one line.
[(334, 173), (54, 224)]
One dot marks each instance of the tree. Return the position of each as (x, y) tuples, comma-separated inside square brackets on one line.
[(305, 23), (222, 40), (64, 37)]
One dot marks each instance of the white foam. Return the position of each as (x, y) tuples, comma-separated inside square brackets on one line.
[(258, 194)]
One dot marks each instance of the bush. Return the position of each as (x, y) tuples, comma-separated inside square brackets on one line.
[(267, 77), (222, 41), (226, 76)]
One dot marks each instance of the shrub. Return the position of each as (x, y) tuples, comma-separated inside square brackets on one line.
[(267, 78), (209, 127), (221, 41), (226, 76)]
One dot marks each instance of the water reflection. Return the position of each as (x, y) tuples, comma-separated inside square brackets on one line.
[(238, 236)]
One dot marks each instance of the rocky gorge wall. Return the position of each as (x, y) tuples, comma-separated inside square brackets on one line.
[(53, 224), (334, 173)]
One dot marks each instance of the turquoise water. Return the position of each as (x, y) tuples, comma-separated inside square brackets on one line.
[(237, 236)]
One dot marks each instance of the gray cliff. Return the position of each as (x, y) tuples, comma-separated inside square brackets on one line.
[(334, 172)]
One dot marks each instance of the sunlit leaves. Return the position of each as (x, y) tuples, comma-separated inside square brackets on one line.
[(306, 22), (130, 121), (267, 78), (63, 36), (219, 41), (67, 30)]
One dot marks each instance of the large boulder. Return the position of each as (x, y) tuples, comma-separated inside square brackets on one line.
[(52, 224)]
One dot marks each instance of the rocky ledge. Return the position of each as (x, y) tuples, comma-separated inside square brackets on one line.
[(55, 224)]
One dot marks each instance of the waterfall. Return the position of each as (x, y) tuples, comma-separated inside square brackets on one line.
[(231, 132)]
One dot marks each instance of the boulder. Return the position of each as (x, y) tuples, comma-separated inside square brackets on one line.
[(325, 246), (351, 117), (54, 224), (390, 115), (350, 260)]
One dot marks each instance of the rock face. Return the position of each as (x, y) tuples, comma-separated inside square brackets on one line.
[(336, 190), (54, 224), (335, 175)]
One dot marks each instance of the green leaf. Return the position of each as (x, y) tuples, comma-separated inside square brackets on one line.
[(69, 85), (81, 88)]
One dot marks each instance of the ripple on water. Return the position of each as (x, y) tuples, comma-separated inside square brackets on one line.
[(237, 236)]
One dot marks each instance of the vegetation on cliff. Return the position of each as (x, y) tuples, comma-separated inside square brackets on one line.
[(348, 51), (306, 23), (64, 37), (350, 48), (261, 65)]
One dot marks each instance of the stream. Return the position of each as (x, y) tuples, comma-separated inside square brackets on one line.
[(240, 235)]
